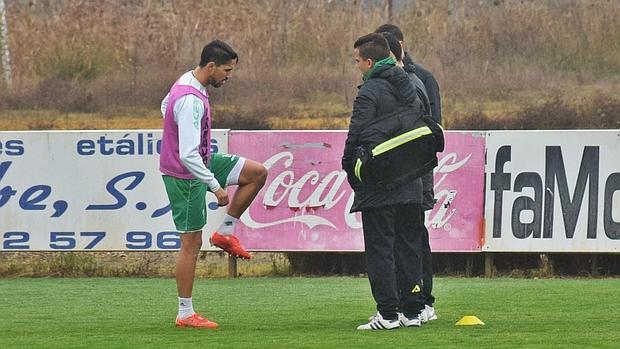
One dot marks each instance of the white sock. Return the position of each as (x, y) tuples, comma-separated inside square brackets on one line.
[(186, 309), (227, 226)]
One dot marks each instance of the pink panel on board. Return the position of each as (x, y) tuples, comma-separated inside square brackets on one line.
[(304, 205)]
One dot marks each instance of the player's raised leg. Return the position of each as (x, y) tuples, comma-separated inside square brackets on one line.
[(250, 177), (251, 180)]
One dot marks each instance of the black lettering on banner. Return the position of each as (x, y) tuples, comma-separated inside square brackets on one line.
[(500, 182), (612, 228), (588, 171), (522, 230)]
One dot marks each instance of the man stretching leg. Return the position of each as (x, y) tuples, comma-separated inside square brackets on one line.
[(189, 170)]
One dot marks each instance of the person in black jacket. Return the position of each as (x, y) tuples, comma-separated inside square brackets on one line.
[(429, 81), (432, 94), (386, 105), (398, 54)]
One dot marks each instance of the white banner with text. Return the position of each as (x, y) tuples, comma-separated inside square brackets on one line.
[(89, 190), (553, 191)]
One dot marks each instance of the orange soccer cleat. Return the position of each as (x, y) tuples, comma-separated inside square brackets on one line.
[(197, 321), (229, 244)]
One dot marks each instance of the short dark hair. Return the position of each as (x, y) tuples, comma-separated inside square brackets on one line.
[(395, 47), (373, 46), (391, 28), (218, 52)]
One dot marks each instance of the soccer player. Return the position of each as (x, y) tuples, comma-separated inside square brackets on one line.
[(189, 170)]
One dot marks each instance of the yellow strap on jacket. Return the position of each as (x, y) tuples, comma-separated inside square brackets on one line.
[(393, 143)]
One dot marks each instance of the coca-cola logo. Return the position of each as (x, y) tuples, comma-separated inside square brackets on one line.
[(318, 199), (285, 190)]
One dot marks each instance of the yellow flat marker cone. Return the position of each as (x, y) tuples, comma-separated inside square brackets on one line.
[(469, 321)]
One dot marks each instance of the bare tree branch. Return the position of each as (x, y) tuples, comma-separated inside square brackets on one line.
[(4, 45)]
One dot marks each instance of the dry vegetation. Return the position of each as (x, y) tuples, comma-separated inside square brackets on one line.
[(106, 64), (497, 61), (121, 264)]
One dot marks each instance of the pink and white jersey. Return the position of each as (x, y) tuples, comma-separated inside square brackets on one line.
[(186, 141)]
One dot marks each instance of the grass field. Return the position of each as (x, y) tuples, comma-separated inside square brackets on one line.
[(304, 313)]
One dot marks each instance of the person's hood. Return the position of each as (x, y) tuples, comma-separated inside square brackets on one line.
[(409, 65), (398, 78)]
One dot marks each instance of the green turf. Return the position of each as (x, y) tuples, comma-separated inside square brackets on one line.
[(304, 313)]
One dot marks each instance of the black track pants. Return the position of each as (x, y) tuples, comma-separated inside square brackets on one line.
[(427, 266), (393, 244)]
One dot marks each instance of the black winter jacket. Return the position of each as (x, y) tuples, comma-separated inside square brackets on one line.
[(431, 89), (385, 104), (431, 85)]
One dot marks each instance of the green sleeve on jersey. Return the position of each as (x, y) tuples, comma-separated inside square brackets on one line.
[(197, 113)]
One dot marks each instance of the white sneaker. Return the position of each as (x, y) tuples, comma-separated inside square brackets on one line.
[(428, 314), (377, 322), (409, 322)]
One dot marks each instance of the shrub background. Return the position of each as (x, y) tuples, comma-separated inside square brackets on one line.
[(494, 59)]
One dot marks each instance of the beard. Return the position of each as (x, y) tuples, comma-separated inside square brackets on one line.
[(216, 83)]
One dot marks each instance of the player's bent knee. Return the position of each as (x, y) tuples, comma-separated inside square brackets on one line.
[(253, 172), (262, 175)]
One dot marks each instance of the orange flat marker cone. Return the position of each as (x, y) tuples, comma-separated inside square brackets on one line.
[(469, 321)]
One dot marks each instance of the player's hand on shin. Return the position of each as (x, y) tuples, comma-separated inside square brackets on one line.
[(222, 197)]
